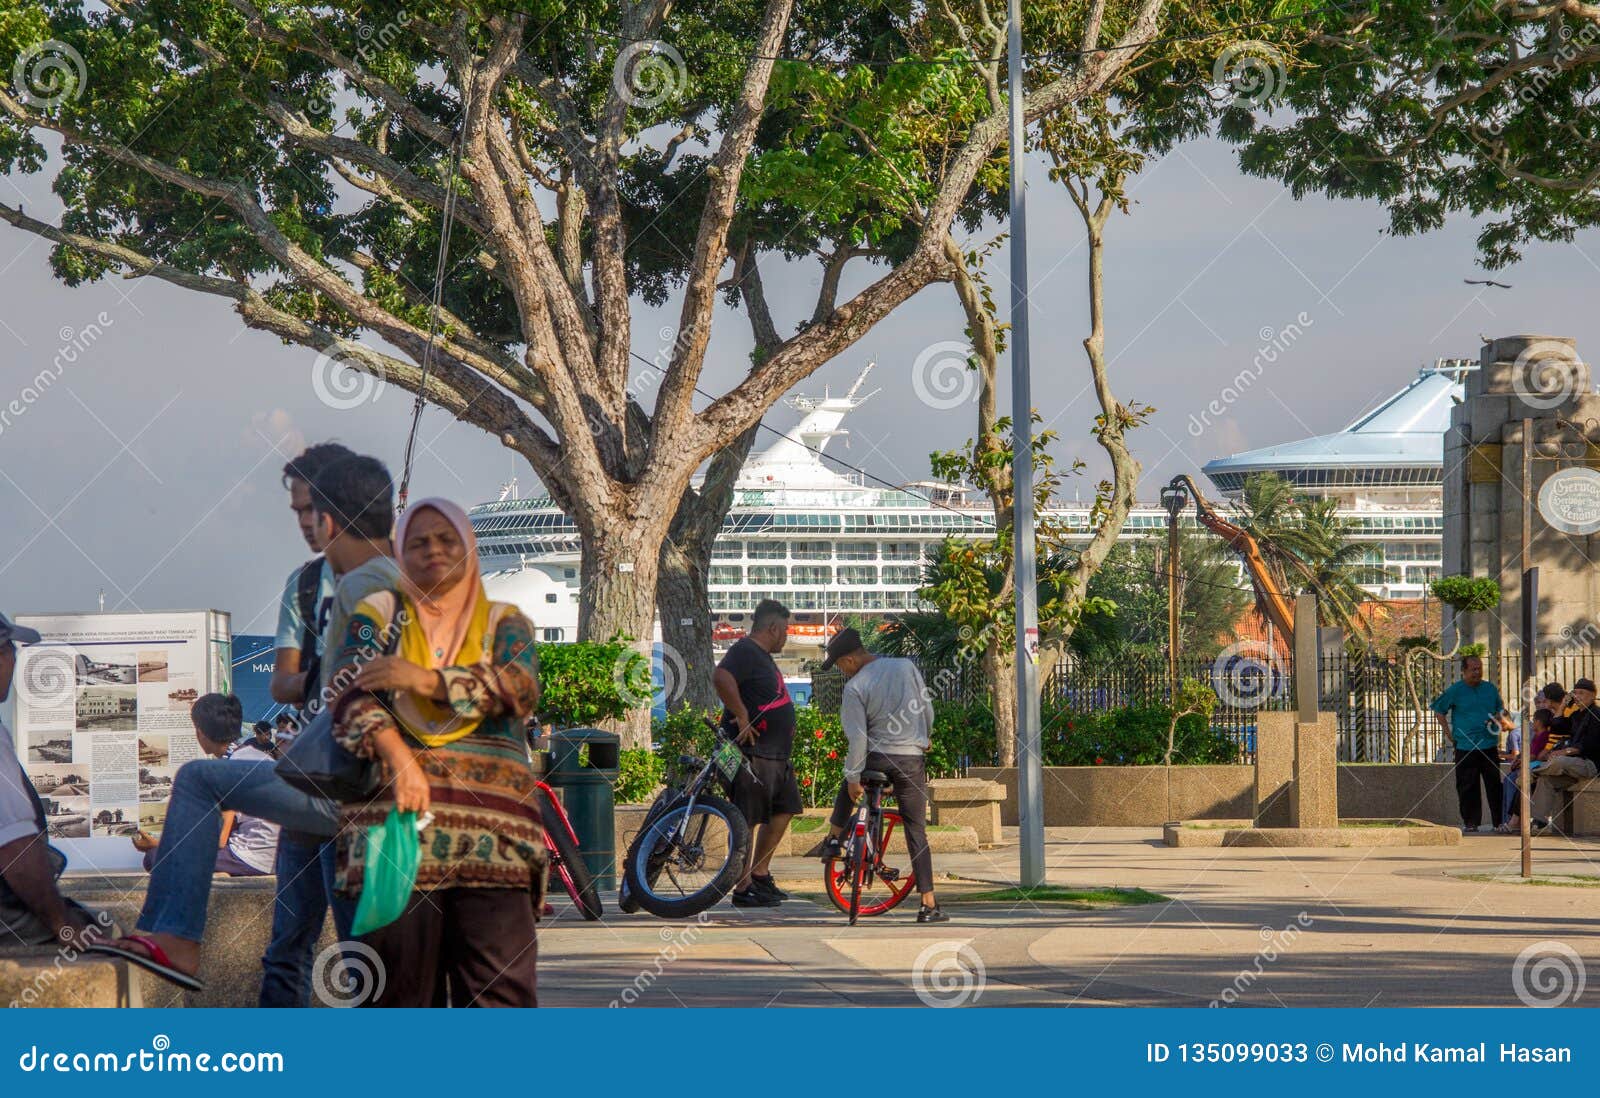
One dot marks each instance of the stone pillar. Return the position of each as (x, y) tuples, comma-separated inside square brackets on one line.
[(1314, 799), (1275, 749)]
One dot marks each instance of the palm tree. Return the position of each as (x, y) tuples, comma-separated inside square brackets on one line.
[(1308, 546)]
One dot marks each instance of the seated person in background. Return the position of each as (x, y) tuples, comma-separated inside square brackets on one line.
[(1574, 761), (248, 844), (1540, 746), (263, 740)]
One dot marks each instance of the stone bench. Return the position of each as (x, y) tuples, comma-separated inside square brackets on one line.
[(969, 802), (238, 927), (1580, 808), (43, 976)]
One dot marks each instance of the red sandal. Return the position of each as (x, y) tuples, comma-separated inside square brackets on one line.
[(155, 960)]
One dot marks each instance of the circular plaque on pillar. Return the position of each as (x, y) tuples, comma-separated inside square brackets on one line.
[(1570, 501)]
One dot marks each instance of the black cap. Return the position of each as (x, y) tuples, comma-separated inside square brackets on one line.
[(842, 643), (1584, 684)]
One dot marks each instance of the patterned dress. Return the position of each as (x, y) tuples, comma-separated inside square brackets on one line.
[(486, 831)]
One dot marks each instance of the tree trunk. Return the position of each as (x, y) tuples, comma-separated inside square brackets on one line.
[(685, 609), (1000, 668), (619, 567)]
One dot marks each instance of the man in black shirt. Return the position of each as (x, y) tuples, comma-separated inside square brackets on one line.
[(1578, 760), (760, 713)]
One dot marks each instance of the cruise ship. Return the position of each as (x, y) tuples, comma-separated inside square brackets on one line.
[(828, 543)]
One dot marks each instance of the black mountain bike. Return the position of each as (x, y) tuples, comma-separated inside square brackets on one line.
[(692, 847)]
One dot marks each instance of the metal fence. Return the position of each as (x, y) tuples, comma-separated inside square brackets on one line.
[(1381, 716)]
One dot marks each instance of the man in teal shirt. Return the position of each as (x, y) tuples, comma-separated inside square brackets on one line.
[(1473, 716)]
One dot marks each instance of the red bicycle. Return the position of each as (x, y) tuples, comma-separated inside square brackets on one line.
[(566, 863), (859, 880)]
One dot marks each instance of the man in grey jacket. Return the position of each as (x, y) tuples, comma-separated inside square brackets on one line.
[(888, 718)]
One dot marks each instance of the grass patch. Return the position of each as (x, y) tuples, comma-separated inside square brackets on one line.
[(1055, 894), (1573, 880)]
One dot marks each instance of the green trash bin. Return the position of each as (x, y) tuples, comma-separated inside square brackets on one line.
[(584, 779)]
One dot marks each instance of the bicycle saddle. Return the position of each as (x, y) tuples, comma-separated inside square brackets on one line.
[(874, 777)]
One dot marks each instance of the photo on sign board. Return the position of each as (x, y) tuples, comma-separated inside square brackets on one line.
[(108, 708), (152, 816), (66, 817), (107, 671), (50, 749), (183, 693), (155, 782), (111, 822), (154, 750), (59, 779), (153, 665)]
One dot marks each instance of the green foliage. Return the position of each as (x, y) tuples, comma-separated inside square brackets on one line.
[(1467, 594), (819, 751), (640, 773), (1473, 648), (683, 731), (1132, 736), (579, 684), (1133, 580)]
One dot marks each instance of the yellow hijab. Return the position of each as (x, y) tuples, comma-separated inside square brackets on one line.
[(445, 629)]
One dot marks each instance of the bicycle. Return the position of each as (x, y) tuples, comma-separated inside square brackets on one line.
[(858, 880), (566, 863), (691, 849)]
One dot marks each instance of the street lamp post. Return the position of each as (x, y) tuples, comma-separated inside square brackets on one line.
[(1030, 771)]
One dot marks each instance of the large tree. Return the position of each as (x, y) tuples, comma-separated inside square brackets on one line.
[(297, 159), (1444, 107)]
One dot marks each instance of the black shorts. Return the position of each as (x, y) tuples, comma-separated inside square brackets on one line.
[(776, 793)]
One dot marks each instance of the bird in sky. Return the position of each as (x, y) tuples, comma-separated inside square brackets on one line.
[(1486, 282)]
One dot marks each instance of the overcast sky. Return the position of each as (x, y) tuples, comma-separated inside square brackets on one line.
[(150, 469)]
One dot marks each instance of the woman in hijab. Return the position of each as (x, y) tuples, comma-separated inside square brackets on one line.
[(442, 683)]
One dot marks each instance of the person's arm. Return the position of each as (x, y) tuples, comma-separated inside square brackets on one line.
[(1441, 711), (25, 865), (727, 688), (227, 829), (288, 685), (853, 716)]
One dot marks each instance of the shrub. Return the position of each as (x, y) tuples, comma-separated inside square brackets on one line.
[(579, 684), (1466, 594), (963, 736), (819, 750), (639, 774), (682, 732)]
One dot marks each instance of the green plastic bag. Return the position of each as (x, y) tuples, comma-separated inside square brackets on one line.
[(393, 852)]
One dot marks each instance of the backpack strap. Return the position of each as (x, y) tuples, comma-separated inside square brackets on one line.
[(307, 585)]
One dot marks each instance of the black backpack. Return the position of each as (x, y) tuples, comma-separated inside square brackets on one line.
[(307, 585)]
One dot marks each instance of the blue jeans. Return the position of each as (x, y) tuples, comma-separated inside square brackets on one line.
[(305, 891), (180, 879)]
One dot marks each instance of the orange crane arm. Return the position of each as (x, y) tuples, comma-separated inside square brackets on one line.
[(1277, 608)]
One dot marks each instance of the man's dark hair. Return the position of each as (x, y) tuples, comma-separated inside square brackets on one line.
[(218, 717), (1543, 716), (285, 720), (357, 494), (307, 465), (1554, 692), (767, 611), (1468, 659), (263, 728)]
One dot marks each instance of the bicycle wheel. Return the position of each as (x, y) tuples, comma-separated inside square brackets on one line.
[(686, 860), (569, 865), (882, 886)]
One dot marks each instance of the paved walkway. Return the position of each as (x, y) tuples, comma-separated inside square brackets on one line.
[(1378, 927)]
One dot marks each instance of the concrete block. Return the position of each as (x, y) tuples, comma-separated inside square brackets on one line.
[(968, 802), (1274, 771), (1315, 800), (1584, 801), (46, 977)]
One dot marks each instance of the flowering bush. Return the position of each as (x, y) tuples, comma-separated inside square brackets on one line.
[(819, 750)]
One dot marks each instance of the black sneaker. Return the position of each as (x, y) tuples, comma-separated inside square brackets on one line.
[(768, 886), (927, 914), (752, 897), (832, 848)]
